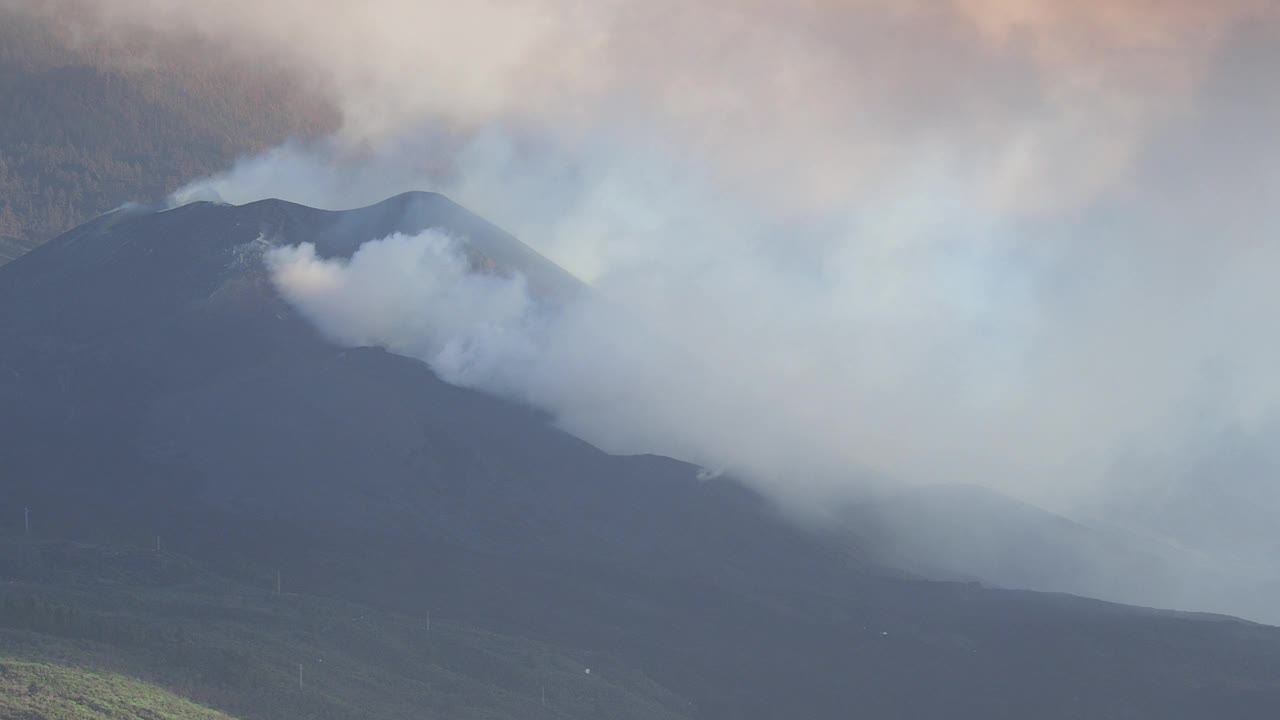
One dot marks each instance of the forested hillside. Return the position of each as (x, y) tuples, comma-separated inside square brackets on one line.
[(86, 125)]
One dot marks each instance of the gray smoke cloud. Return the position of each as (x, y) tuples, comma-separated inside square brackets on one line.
[(1026, 246)]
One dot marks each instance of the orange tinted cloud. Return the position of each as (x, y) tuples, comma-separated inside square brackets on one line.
[(1029, 105)]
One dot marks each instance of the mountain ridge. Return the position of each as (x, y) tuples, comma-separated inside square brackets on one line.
[(136, 407)]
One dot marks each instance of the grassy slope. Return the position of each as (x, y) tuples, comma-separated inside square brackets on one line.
[(159, 617), (42, 690)]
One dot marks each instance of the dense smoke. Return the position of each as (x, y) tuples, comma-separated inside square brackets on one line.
[(1024, 245)]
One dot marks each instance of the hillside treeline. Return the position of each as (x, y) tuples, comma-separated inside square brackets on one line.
[(89, 124)]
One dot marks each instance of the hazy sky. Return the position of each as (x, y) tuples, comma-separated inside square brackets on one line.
[(1031, 105), (1028, 245)]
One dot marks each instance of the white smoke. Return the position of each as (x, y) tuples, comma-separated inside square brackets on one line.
[(615, 374), (1099, 362), (1025, 245), (418, 297)]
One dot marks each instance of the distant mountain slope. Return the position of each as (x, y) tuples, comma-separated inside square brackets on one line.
[(153, 383), (967, 532), (85, 127)]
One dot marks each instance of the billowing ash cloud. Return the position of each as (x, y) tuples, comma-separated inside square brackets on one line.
[(1027, 245), (415, 296), (616, 373)]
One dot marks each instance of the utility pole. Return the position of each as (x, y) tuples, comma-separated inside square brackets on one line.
[(157, 543), (544, 696), (26, 520), (299, 677), (278, 592)]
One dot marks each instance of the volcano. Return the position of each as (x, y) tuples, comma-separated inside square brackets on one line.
[(153, 383)]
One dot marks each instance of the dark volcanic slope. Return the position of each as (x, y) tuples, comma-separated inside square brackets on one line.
[(152, 383)]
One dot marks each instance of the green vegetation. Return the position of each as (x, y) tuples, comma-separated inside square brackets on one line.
[(164, 620), (54, 692)]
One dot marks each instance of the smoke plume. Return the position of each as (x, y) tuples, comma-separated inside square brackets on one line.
[(1023, 245)]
